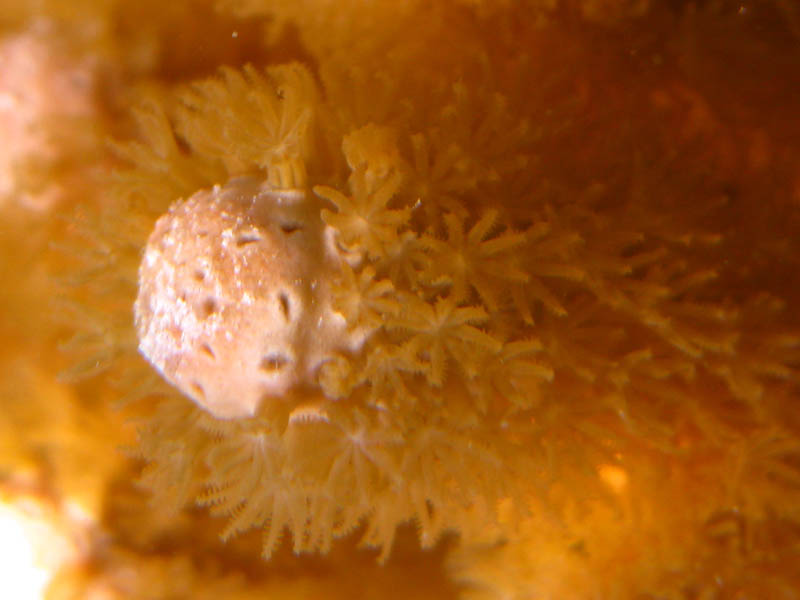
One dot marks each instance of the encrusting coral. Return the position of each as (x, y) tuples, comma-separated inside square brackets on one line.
[(461, 387), (450, 288), (356, 449)]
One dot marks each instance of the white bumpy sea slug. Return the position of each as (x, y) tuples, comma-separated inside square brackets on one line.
[(234, 303)]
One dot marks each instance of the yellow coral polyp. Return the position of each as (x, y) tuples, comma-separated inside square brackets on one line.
[(363, 222), (249, 119)]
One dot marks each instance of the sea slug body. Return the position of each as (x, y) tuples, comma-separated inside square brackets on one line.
[(234, 302)]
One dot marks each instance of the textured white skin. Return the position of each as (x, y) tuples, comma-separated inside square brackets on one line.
[(234, 296)]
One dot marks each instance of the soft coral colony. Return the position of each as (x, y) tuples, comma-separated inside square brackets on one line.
[(569, 382), (407, 425)]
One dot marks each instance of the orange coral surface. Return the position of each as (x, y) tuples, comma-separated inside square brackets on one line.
[(568, 244)]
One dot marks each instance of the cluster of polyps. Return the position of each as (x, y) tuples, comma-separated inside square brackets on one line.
[(234, 300)]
